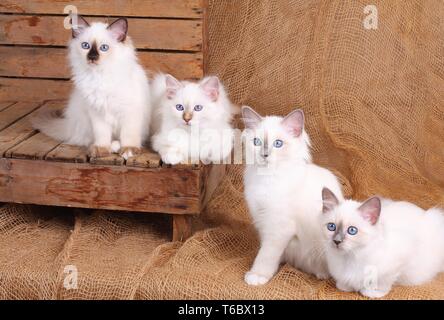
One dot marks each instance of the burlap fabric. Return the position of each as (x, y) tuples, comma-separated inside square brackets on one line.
[(374, 104)]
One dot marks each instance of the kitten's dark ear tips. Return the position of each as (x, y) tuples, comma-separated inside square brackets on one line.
[(78, 25), (329, 200), (370, 210), (294, 122), (250, 117), (119, 29)]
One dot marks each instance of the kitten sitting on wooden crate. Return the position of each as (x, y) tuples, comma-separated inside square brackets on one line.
[(110, 100), (191, 120), (373, 245)]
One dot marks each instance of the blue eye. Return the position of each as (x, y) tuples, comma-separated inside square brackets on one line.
[(257, 141), (331, 226), (104, 47), (179, 107), (278, 143), (85, 45), (352, 230), (198, 107)]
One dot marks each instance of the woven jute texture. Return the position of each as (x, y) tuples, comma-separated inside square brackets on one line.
[(374, 105)]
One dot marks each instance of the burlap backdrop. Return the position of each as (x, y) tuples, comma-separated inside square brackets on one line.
[(374, 104)]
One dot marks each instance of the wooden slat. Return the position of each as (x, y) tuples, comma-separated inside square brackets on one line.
[(146, 33), (182, 227), (111, 160), (140, 8), (16, 112), (108, 187), (147, 159), (53, 63), (33, 89), (5, 104), (38, 145), (16, 133), (68, 153)]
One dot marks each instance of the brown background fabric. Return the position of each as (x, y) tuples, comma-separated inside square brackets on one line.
[(374, 105)]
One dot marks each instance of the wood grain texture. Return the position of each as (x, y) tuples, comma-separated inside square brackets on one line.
[(68, 153), (16, 112), (146, 33), (172, 191), (147, 159), (16, 133), (211, 177), (33, 89), (182, 227), (38, 145), (53, 63), (5, 104), (140, 8)]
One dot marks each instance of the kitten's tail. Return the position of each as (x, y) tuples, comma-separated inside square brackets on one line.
[(52, 123)]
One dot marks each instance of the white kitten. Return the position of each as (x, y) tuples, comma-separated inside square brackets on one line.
[(373, 245), (283, 193), (191, 120), (110, 99)]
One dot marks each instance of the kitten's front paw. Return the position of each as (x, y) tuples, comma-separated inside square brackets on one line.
[(322, 275), (99, 151), (374, 293), (172, 157), (343, 287), (254, 279), (128, 152)]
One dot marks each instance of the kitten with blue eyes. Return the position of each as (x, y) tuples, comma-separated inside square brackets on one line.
[(109, 107), (374, 245), (283, 194), (191, 120)]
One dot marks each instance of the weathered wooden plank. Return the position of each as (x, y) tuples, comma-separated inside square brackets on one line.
[(33, 89), (53, 63), (68, 153), (162, 34), (147, 159), (140, 8), (38, 145), (211, 177), (111, 160), (173, 191), (16, 133), (182, 227), (5, 104), (16, 112)]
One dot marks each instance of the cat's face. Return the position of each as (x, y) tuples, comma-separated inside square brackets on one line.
[(275, 139), (191, 104), (96, 44), (349, 225)]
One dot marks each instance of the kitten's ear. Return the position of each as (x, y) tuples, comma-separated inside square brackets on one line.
[(78, 25), (371, 209), (119, 29), (294, 122), (329, 200), (210, 86), (250, 117), (172, 85)]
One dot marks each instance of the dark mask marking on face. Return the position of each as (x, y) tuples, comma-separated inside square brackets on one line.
[(93, 54)]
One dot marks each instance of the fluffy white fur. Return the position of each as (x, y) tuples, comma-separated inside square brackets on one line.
[(404, 246), (283, 193), (110, 99), (184, 135)]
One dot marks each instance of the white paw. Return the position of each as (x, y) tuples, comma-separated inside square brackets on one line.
[(254, 279), (115, 146), (172, 157), (374, 293), (343, 287), (322, 275), (127, 154)]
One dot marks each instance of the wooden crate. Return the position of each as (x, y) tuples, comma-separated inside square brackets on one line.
[(34, 74)]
